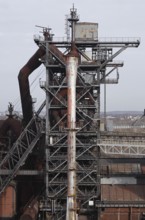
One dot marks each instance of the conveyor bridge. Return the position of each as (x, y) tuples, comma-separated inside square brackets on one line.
[(19, 152)]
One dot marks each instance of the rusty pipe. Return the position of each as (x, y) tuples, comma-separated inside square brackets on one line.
[(31, 211), (24, 73), (71, 73)]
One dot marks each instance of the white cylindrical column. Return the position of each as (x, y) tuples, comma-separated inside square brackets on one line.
[(71, 72)]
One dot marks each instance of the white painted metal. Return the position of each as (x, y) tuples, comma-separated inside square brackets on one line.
[(71, 72), (122, 147), (86, 31)]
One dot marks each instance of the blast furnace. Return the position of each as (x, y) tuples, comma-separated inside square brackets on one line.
[(57, 167)]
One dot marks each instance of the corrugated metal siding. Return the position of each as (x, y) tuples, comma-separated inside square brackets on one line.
[(122, 213), (122, 192), (8, 203), (86, 31), (122, 169)]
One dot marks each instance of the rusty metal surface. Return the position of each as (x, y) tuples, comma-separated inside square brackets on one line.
[(143, 169), (13, 125), (1, 122), (121, 168), (59, 56), (122, 193), (122, 213), (24, 73), (31, 211), (32, 64), (8, 203)]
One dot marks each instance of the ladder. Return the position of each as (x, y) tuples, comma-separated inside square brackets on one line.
[(20, 150)]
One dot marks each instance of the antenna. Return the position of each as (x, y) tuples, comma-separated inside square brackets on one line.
[(73, 19), (67, 27)]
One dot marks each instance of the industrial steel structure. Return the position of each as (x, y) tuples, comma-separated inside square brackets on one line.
[(68, 174)]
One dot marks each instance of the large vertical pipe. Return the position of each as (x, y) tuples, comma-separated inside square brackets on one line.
[(71, 71)]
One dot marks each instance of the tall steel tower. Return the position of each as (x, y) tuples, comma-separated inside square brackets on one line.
[(73, 80)]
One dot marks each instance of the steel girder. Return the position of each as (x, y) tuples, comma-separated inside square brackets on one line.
[(19, 152)]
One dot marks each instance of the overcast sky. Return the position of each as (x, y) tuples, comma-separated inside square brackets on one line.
[(116, 18)]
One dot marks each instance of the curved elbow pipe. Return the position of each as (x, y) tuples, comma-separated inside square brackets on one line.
[(33, 63), (24, 73)]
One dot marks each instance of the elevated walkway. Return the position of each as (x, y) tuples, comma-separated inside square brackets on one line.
[(19, 152), (122, 147)]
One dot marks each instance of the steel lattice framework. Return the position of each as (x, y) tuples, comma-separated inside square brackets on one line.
[(19, 152), (87, 151), (91, 74), (122, 147)]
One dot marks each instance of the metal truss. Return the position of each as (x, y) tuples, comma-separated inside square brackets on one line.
[(86, 152), (19, 152), (91, 74), (121, 147), (117, 204)]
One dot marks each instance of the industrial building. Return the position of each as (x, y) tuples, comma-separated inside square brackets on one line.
[(61, 165)]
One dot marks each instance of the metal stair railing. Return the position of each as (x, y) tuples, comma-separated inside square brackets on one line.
[(20, 150)]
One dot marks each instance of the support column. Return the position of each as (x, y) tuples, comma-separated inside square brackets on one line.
[(71, 72)]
